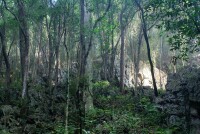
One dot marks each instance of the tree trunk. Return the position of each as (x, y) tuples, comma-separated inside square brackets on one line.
[(50, 54), (148, 47), (8, 79), (68, 79), (122, 53), (114, 49), (1, 52), (57, 54), (24, 44), (39, 62), (137, 56), (112, 57), (80, 103), (1, 59), (6, 59), (160, 68)]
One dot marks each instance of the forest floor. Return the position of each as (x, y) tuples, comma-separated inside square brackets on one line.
[(122, 113), (113, 112)]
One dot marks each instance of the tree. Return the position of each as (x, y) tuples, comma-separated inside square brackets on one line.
[(3, 50), (24, 43), (82, 64), (83, 55), (122, 29), (125, 17), (144, 27), (182, 20)]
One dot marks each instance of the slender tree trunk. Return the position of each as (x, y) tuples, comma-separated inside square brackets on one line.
[(68, 69), (40, 54), (24, 44), (57, 37), (137, 57), (6, 59), (151, 63), (50, 55), (1, 45), (68, 65), (57, 53), (148, 47), (83, 54), (175, 61), (80, 103), (82, 36), (160, 68), (68, 97), (112, 56), (122, 53), (114, 49), (1, 59), (8, 79)]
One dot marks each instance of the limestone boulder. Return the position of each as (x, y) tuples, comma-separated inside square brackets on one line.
[(144, 72), (181, 102)]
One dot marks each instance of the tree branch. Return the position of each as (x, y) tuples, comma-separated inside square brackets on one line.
[(15, 16), (94, 26)]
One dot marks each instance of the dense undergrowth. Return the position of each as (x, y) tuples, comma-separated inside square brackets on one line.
[(113, 112)]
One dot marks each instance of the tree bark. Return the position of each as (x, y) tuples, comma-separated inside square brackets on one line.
[(4, 53), (160, 68), (82, 60), (68, 79), (24, 44), (122, 52), (50, 54), (114, 49), (8, 79), (148, 47), (6, 59), (1, 59), (137, 57)]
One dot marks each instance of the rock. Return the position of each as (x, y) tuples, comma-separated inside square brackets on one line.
[(160, 76), (181, 102), (146, 78), (195, 61)]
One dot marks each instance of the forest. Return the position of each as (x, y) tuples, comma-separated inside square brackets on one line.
[(99, 67)]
